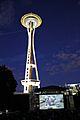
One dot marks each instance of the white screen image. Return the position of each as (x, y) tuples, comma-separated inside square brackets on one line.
[(51, 101)]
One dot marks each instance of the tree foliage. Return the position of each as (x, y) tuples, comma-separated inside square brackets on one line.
[(8, 83)]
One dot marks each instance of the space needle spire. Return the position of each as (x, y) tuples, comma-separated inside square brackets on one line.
[(31, 21)]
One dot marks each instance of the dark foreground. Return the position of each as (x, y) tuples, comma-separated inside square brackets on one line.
[(42, 115)]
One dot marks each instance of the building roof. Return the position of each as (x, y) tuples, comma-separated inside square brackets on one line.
[(50, 89)]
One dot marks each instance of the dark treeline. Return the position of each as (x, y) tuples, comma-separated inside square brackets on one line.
[(7, 86)]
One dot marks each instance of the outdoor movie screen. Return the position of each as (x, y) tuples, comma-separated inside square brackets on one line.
[(52, 101)]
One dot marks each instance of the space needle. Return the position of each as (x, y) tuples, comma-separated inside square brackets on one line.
[(31, 81)]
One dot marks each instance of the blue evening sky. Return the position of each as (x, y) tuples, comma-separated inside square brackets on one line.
[(57, 40)]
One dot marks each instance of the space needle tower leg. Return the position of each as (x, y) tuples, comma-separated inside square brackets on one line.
[(31, 21)]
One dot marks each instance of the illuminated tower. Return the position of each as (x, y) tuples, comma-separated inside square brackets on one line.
[(31, 21)]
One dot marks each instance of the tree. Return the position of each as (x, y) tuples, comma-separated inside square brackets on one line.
[(8, 86), (7, 80)]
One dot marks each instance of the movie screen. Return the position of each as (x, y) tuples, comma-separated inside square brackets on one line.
[(55, 101)]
